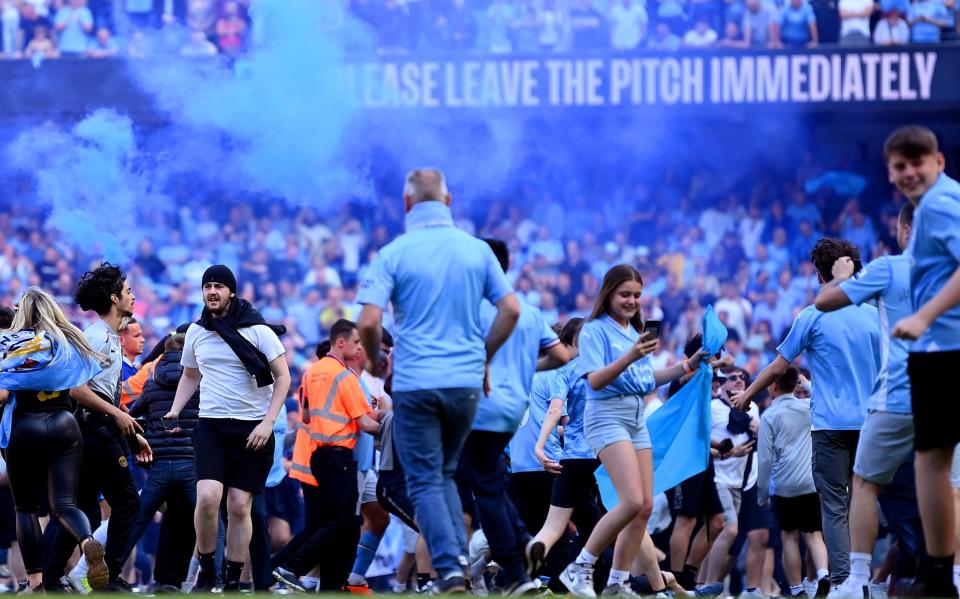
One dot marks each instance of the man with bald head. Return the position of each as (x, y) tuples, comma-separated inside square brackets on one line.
[(436, 277)]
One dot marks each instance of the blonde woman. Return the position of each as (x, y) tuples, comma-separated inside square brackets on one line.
[(42, 356)]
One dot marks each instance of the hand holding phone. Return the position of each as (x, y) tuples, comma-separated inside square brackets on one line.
[(652, 327)]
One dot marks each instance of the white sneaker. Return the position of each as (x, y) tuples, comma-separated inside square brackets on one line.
[(620, 590), (754, 594), (878, 590), (578, 578), (810, 588), (848, 589), (79, 582)]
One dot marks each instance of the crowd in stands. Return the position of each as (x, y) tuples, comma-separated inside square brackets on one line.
[(76, 28), (745, 251)]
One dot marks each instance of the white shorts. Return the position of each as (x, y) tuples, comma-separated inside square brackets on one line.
[(367, 485), (730, 499), (955, 473)]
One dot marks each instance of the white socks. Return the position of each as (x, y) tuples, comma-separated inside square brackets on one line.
[(822, 573), (860, 567), (618, 577), (586, 558), (956, 577)]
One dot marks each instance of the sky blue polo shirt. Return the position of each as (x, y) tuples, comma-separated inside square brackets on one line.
[(512, 368), (522, 458), (887, 280), (601, 342), (935, 253), (843, 351), (436, 277)]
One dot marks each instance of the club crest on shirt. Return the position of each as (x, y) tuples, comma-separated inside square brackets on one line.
[(123, 461)]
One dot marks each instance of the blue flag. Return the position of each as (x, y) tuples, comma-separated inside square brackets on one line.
[(34, 362), (680, 429)]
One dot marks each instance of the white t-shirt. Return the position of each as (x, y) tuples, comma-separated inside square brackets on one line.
[(885, 33), (697, 40), (626, 25), (227, 390), (730, 471), (858, 24)]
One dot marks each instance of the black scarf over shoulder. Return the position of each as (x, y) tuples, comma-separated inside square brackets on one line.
[(241, 314)]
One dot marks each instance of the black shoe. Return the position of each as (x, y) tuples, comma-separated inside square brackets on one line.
[(166, 589), (536, 556), (823, 587), (921, 588), (119, 585), (289, 580), (206, 582)]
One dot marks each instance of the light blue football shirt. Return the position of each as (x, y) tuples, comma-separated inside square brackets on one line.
[(512, 368), (436, 277), (887, 280), (601, 342), (571, 386), (935, 253), (843, 350), (522, 458)]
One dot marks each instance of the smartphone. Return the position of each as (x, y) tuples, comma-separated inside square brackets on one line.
[(652, 327)]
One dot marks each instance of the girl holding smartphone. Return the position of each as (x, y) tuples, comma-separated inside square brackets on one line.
[(618, 374)]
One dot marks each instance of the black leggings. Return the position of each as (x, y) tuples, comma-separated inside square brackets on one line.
[(44, 456)]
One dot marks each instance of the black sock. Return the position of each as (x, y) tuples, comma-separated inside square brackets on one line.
[(208, 568), (232, 579), (422, 580), (687, 578), (937, 572)]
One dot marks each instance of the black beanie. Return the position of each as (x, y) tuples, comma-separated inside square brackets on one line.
[(218, 273)]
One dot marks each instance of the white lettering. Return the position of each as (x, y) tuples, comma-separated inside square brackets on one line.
[(594, 97), (772, 82), (925, 61), (619, 78), (888, 77), (798, 77), (819, 78), (670, 81), (852, 79), (870, 61)]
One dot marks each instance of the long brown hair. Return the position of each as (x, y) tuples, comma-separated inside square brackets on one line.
[(616, 276)]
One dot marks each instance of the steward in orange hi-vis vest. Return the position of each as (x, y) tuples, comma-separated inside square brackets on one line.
[(331, 400)]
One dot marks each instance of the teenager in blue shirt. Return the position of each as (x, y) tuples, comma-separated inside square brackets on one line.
[(886, 440), (618, 373), (498, 416), (915, 166), (843, 351)]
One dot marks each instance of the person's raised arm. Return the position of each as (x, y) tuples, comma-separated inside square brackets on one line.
[(368, 327), (914, 326), (554, 356), (767, 376), (600, 378)]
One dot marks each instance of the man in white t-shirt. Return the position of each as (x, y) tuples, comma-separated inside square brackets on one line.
[(855, 22), (701, 36), (244, 383), (628, 24), (891, 30)]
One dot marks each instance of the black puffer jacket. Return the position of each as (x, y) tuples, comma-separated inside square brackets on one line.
[(156, 400)]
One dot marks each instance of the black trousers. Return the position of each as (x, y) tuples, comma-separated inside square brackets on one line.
[(483, 453), (103, 471), (332, 528), (45, 452)]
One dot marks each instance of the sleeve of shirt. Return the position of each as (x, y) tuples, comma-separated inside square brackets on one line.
[(547, 337), (188, 359), (870, 283), (560, 384), (799, 336), (269, 343), (60, 18), (354, 401), (496, 287), (764, 460), (377, 285), (592, 348), (812, 18), (943, 222)]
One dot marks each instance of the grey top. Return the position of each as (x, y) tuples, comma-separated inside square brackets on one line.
[(106, 341), (385, 441), (784, 448)]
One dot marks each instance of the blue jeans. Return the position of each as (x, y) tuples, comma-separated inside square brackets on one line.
[(173, 482), (430, 429)]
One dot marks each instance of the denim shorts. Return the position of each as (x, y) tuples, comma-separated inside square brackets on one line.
[(612, 419)]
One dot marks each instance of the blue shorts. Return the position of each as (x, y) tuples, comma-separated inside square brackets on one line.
[(613, 419)]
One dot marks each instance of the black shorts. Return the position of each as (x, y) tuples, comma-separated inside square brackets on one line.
[(220, 447), (575, 484), (696, 496), (934, 419), (284, 502), (753, 516), (799, 513)]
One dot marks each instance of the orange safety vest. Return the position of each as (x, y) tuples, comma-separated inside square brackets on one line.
[(131, 388), (331, 400)]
